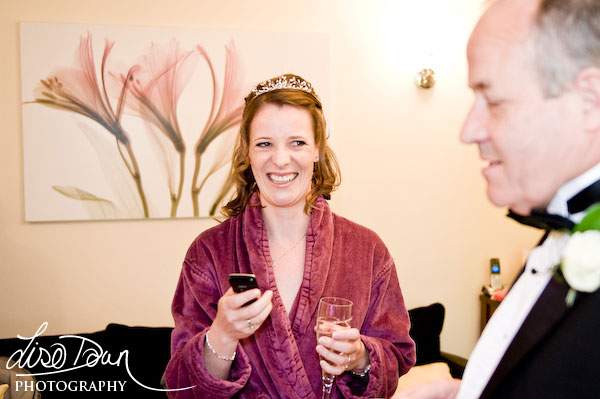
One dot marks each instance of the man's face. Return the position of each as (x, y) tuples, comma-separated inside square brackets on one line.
[(526, 140)]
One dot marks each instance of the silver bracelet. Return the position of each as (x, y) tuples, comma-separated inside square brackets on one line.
[(229, 359)]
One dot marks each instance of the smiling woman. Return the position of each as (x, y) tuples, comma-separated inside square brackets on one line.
[(282, 152), (281, 233), (298, 95)]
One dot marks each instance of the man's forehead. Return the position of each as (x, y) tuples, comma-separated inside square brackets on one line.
[(509, 16), (501, 37)]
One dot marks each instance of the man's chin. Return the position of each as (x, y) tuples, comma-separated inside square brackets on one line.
[(501, 200), (521, 210)]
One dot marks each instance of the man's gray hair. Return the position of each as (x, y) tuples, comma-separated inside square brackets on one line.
[(567, 40)]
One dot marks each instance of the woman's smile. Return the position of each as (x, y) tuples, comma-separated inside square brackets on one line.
[(281, 179)]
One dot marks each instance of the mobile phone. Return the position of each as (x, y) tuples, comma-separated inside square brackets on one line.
[(495, 278), (241, 282)]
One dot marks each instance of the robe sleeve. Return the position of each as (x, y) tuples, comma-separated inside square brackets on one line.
[(194, 309), (385, 333)]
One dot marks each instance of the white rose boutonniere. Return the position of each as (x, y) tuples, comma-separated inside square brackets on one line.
[(581, 261), (580, 265)]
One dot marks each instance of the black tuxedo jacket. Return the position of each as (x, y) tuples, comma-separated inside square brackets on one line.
[(556, 352)]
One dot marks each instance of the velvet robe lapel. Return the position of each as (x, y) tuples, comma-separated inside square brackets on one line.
[(319, 254), (277, 345), (545, 314)]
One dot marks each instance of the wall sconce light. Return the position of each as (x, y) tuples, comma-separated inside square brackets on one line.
[(425, 79)]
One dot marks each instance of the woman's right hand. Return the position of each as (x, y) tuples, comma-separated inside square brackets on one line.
[(232, 323), (235, 321)]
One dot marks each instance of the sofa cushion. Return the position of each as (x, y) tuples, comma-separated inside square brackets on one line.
[(426, 326), (422, 374), (148, 352)]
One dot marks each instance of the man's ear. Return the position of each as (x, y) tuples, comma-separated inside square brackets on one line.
[(587, 83)]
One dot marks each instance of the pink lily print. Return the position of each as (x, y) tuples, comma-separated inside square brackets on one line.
[(228, 116), (77, 90), (157, 83)]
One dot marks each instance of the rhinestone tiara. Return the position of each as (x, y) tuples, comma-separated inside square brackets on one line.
[(283, 82)]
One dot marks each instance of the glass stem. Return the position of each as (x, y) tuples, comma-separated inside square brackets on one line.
[(327, 385)]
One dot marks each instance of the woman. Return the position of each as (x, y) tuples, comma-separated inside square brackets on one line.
[(281, 229)]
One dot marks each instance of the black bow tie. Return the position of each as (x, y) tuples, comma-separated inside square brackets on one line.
[(585, 198), (542, 220)]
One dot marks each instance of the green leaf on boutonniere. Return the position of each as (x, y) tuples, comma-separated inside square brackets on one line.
[(591, 221)]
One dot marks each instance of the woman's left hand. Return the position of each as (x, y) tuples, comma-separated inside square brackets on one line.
[(344, 351)]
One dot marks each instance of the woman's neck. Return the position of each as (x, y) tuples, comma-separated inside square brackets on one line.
[(285, 224)]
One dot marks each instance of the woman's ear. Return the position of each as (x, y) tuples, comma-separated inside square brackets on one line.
[(587, 84)]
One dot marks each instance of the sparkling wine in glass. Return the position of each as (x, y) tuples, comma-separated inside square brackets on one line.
[(334, 314)]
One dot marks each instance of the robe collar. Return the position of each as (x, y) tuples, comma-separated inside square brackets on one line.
[(277, 341)]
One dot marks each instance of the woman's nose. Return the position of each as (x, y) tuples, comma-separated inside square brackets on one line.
[(281, 157)]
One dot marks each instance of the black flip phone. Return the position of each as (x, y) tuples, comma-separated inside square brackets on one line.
[(241, 282)]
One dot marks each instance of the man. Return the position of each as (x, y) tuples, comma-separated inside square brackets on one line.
[(534, 66)]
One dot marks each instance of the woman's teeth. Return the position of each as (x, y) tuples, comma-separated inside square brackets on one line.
[(282, 179)]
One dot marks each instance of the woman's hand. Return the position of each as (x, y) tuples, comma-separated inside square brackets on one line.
[(344, 351), (235, 321)]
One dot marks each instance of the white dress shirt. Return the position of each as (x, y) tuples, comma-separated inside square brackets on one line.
[(510, 315)]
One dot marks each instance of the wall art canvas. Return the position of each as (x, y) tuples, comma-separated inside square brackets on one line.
[(125, 122)]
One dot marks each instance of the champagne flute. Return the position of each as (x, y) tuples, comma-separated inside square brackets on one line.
[(334, 313)]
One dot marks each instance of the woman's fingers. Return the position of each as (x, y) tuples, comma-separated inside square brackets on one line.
[(262, 316), (253, 309), (239, 321), (332, 369), (240, 299), (348, 334), (253, 317), (343, 351), (341, 346), (335, 358)]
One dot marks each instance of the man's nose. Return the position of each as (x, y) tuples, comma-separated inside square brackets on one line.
[(474, 128)]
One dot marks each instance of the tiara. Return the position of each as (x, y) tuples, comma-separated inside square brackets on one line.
[(282, 82)]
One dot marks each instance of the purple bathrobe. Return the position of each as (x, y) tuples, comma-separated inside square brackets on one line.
[(280, 361)]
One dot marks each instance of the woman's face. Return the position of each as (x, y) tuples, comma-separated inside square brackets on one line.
[(282, 151)]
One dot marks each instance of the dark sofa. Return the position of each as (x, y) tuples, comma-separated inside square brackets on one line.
[(426, 326), (148, 354)]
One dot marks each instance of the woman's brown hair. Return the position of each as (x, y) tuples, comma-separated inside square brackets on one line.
[(283, 90)]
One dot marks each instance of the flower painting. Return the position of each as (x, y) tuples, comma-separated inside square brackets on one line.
[(132, 122)]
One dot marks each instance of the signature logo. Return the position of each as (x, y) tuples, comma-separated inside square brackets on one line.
[(55, 358)]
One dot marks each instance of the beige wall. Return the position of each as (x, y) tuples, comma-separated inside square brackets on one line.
[(405, 174)]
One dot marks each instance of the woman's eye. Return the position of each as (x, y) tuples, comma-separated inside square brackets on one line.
[(298, 143), (263, 144)]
